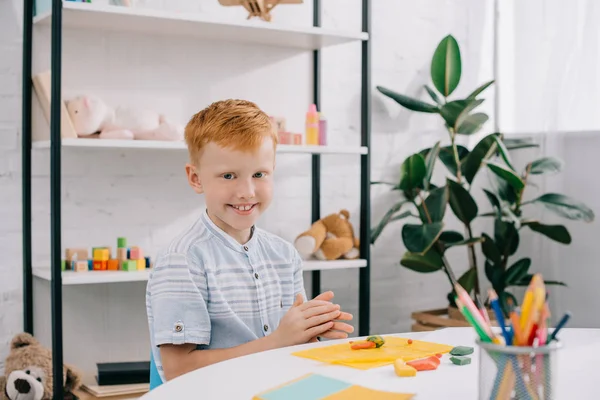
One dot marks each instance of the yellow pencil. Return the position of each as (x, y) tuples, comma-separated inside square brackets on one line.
[(528, 301)]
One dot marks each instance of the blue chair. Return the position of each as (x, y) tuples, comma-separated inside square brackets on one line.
[(155, 380)]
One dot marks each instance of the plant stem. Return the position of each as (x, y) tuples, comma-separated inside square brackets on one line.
[(520, 198), (455, 151), (473, 260)]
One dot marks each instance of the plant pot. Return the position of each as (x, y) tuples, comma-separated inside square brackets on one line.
[(450, 317)]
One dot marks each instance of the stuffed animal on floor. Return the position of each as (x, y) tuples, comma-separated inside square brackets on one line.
[(28, 372), (329, 238), (90, 115)]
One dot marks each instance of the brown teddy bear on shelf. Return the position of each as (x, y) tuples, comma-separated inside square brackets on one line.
[(28, 372), (329, 238)]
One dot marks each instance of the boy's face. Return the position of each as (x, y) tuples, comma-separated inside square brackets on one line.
[(237, 185)]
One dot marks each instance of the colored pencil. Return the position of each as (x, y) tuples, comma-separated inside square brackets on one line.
[(560, 325), (499, 314)]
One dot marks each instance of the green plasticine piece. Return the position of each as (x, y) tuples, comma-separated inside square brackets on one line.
[(459, 360), (461, 351)]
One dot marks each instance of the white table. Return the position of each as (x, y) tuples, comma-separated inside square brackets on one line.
[(243, 377)]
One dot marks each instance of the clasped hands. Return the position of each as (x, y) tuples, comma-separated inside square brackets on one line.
[(305, 321)]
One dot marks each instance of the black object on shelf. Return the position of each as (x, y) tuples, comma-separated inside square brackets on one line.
[(123, 373)]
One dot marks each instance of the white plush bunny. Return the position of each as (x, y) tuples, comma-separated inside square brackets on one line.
[(90, 115)]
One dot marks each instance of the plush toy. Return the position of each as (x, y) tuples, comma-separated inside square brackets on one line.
[(28, 372), (91, 115), (329, 238)]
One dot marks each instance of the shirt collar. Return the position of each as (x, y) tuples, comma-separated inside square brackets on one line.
[(226, 238)]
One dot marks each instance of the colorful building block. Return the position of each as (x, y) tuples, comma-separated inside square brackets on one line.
[(121, 254), (130, 265), (101, 254), (113, 264), (100, 265), (75, 254), (121, 242), (90, 265), (147, 262), (141, 264), (135, 253), (81, 266)]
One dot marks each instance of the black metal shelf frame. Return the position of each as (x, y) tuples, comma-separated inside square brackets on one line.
[(55, 176)]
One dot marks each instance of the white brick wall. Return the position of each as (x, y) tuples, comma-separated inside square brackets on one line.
[(143, 195)]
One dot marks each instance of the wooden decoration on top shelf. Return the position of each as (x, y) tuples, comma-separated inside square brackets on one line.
[(258, 8)]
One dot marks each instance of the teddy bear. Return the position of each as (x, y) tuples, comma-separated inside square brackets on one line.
[(329, 238), (91, 115), (28, 372)]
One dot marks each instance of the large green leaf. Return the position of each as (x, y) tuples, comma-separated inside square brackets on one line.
[(451, 237), (480, 89), (558, 233), (545, 165), (468, 279), (503, 152), (506, 237), (420, 238), (565, 206), (490, 250), (435, 203), (408, 102), (495, 275), (472, 124), (505, 191), (507, 174), (508, 301), (433, 95), (476, 157), (387, 218), (430, 160), (461, 202), (527, 279), (455, 111), (515, 144), (429, 262), (446, 66), (517, 271), (412, 172), (494, 201), (447, 157)]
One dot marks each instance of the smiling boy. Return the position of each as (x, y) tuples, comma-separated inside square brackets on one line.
[(224, 288)]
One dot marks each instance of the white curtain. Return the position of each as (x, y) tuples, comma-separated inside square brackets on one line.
[(548, 72)]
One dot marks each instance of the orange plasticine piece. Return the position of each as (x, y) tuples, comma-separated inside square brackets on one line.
[(425, 364), (363, 345)]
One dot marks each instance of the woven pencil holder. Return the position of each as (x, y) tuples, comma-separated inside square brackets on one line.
[(517, 373)]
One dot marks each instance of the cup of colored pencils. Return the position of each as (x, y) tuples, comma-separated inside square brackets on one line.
[(517, 359)]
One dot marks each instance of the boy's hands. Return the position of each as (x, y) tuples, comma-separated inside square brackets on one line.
[(339, 330), (304, 321)]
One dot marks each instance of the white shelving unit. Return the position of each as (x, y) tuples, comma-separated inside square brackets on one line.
[(165, 145), (201, 26), (100, 277), (99, 309)]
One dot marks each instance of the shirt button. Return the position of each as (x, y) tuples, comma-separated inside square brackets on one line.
[(256, 275), (246, 248), (266, 327)]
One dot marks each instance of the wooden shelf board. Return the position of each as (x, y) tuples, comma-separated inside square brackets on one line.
[(197, 25)]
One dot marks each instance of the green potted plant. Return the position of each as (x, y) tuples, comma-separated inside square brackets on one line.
[(423, 204)]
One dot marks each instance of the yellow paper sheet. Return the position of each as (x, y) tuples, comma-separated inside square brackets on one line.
[(363, 393), (393, 349)]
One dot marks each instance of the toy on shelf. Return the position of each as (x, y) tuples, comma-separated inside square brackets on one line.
[(258, 8), (90, 115), (126, 259), (329, 238)]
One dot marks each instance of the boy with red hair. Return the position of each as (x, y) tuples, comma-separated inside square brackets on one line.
[(224, 288)]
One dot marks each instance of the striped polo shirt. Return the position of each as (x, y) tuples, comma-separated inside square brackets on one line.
[(208, 289)]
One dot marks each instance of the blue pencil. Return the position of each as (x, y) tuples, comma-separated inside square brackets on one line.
[(561, 323), (499, 315)]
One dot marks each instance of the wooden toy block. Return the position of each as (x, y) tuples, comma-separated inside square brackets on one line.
[(81, 266), (122, 253), (75, 254), (90, 264), (147, 262), (141, 264), (101, 254), (135, 253), (100, 265), (130, 265), (63, 265), (113, 264), (121, 242)]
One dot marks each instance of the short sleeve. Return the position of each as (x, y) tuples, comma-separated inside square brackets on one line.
[(298, 275), (178, 291)]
